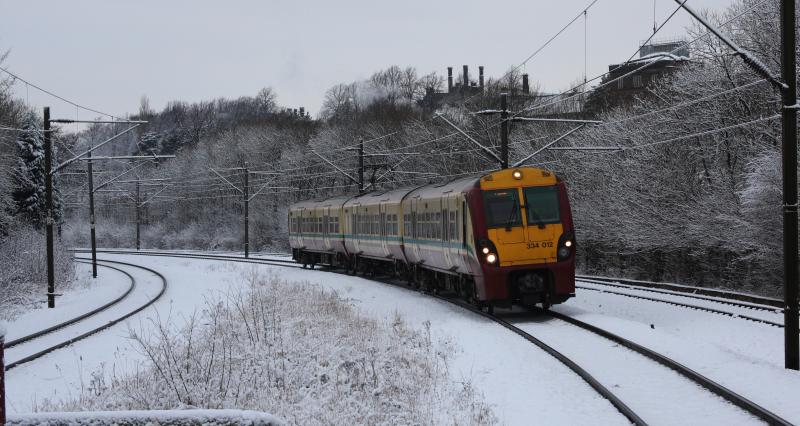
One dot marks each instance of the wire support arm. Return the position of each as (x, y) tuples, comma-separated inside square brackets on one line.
[(555, 120), (114, 179), (339, 169), (90, 150), (747, 56), (152, 197), (471, 139), (557, 140), (226, 181)]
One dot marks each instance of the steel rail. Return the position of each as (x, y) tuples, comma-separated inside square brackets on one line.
[(40, 333), (572, 365), (277, 262), (582, 373), (742, 297), (686, 305), (716, 388), (102, 327), (688, 294)]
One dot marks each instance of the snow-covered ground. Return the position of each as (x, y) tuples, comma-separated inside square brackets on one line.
[(652, 390), (522, 383), (750, 310), (87, 294), (66, 371), (150, 417), (742, 355)]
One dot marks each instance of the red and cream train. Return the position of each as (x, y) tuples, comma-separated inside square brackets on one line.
[(499, 239)]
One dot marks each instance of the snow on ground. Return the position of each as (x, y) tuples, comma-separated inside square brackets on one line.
[(523, 384), (87, 294), (147, 287), (68, 370), (771, 314), (656, 393), (742, 355), (149, 417)]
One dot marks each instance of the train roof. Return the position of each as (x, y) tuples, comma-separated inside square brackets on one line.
[(392, 196), (323, 202), (397, 195), (454, 186)]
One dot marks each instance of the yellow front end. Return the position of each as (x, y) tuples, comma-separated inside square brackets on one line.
[(522, 214)]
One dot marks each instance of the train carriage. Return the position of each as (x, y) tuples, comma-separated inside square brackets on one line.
[(502, 238), (316, 229)]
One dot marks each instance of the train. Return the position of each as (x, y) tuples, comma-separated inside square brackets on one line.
[(499, 239)]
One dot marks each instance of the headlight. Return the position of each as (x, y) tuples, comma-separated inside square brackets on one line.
[(516, 174), (485, 250), (491, 258), (566, 246)]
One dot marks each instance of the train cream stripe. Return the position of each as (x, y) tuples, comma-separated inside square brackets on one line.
[(372, 238)]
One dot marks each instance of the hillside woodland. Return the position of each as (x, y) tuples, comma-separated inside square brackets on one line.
[(692, 195)]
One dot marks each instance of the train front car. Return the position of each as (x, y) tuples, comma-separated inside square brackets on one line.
[(525, 240)]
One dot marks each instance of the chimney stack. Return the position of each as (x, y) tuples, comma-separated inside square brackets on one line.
[(480, 76), (525, 87), (466, 76), (302, 111), (449, 79)]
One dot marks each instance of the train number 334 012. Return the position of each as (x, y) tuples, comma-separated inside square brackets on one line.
[(540, 244)]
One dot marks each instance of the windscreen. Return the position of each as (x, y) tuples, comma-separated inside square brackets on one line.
[(502, 208), (541, 204)]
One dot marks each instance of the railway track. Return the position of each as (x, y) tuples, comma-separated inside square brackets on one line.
[(683, 371), (748, 306), (723, 296), (715, 388), (581, 372), (18, 352)]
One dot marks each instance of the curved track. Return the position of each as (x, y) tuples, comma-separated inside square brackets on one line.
[(59, 326), (712, 386), (77, 320), (708, 384)]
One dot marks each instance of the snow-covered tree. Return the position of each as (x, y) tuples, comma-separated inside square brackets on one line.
[(29, 175)]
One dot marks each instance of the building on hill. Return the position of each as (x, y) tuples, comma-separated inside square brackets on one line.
[(458, 91), (662, 58)]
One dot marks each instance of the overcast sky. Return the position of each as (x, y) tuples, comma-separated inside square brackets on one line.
[(106, 54)]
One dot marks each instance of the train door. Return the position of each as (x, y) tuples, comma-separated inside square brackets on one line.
[(444, 226), (383, 231), (326, 222), (415, 227), (357, 228), (453, 240), (302, 227)]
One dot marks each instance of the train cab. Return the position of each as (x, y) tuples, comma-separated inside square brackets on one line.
[(524, 236)]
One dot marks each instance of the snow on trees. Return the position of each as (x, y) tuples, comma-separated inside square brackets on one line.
[(29, 176)]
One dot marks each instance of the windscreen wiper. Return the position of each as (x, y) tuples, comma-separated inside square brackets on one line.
[(536, 218), (512, 215)]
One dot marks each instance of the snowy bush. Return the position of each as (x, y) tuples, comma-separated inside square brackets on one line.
[(294, 350), (147, 418), (23, 276)]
